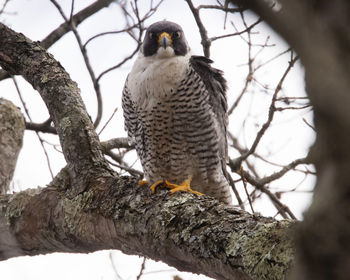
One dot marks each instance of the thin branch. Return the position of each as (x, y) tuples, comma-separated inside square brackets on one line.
[(234, 189), (202, 30), (284, 170), (248, 29), (272, 111), (110, 256), (120, 63), (87, 64), (273, 58), (278, 204), (37, 133), (44, 127), (4, 6), (107, 122), (280, 109), (142, 269), (133, 172), (116, 143), (222, 8), (260, 183), (309, 125), (58, 33), (244, 181)]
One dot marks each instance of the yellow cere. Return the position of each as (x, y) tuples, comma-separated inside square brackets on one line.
[(166, 34)]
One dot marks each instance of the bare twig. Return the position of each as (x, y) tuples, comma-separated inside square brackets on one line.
[(41, 127), (110, 255), (260, 183), (284, 170), (4, 6), (116, 143), (107, 122), (221, 7), (130, 170), (87, 63), (138, 277), (119, 64), (309, 125), (272, 111), (202, 30), (234, 189), (56, 34), (248, 29), (244, 181), (37, 133)]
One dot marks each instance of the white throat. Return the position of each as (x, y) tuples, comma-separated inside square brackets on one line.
[(153, 78)]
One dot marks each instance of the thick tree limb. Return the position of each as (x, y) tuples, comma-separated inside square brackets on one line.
[(80, 144), (192, 233), (11, 138)]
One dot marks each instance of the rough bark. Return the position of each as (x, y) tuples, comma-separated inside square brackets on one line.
[(80, 144), (11, 137), (87, 207), (192, 233), (319, 31)]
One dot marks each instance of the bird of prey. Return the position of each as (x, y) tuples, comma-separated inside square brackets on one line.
[(175, 113)]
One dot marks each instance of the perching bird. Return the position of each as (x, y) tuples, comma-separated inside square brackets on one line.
[(175, 112)]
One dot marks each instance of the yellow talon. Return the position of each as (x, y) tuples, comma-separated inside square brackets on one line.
[(185, 186), (153, 187), (142, 183)]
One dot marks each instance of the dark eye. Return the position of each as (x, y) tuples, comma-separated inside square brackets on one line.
[(151, 35), (177, 34)]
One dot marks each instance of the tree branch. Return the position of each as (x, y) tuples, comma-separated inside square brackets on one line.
[(192, 233), (202, 30), (80, 144), (11, 137)]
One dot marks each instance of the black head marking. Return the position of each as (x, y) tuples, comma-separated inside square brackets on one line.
[(151, 40)]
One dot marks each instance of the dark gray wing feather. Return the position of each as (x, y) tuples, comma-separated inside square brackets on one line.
[(130, 117), (216, 85)]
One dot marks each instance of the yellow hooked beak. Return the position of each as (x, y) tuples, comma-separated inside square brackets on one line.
[(164, 40)]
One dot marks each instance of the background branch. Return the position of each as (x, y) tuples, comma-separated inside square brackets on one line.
[(11, 138)]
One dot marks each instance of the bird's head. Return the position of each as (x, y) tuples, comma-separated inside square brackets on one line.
[(165, 38)]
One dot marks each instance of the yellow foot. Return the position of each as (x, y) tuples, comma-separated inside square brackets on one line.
[(142, 183), (156, 184), (185, 187)]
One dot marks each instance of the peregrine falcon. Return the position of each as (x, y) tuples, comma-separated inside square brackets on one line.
[(175, 112)]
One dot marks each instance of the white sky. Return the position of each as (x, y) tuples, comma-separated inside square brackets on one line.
[(288, 138)]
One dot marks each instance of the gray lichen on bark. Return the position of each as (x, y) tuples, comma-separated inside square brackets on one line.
[(11, 137), (265, 250)]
